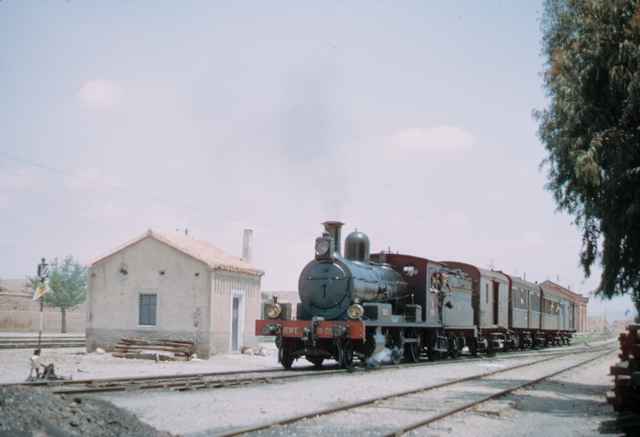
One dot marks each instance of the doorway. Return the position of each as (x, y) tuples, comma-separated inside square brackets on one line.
[(237, 321), (496, 302)]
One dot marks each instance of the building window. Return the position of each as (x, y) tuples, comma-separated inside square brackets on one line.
[(147, 308)]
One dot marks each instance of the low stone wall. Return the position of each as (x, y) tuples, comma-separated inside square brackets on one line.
[(107, 338), (20, 313), (29, 321)]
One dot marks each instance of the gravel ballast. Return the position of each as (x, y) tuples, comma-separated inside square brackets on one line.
[(35, 412)]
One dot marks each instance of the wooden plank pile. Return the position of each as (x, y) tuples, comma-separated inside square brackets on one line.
[(625, 395), (154, 349)]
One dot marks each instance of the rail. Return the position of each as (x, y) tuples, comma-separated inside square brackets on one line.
[(404, 429)]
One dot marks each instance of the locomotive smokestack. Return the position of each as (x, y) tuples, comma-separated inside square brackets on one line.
[(247, 236), (334, 228)]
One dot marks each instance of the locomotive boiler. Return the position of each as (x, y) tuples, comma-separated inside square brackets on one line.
[(335, 287)]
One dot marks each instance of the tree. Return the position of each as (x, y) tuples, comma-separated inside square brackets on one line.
[(591, 131), (67, 286)]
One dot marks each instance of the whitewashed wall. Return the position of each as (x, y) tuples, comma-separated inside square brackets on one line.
[(223, 285), (183, 296)]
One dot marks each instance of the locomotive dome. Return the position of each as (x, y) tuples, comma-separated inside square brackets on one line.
[(356, 246), (331, 284)]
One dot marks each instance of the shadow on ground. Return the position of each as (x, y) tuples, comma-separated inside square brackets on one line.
[(625, 423), (561, 399), (568, 399)]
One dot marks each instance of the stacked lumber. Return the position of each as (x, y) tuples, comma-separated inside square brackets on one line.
[(626, 391), (154, 349)]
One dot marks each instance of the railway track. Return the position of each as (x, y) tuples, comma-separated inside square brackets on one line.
[(213, 380), (421, 406)]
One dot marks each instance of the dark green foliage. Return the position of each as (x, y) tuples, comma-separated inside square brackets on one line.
[(591, 130)]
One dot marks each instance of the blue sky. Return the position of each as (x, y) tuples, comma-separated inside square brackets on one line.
[(408, 120)]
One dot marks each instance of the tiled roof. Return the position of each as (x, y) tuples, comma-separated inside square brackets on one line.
[(201, 250)]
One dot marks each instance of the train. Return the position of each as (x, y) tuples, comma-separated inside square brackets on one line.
[(361, 305)]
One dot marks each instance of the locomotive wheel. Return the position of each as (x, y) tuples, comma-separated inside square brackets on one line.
[(454, 350), (369, 346), (516, 342), (412, 350), (285, 357), (345, 355), (473, 346), (507, 344), (396, 356), (432, 354), (316, 361)]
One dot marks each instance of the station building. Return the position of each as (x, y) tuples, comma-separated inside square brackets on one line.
[(173, 286)]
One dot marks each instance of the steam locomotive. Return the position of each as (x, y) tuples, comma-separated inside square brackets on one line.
[(360, 305)]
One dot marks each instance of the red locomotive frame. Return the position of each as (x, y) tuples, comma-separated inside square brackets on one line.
[(322, 329)]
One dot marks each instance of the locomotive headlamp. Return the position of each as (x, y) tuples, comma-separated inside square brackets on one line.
[(323, 246), (274, 310), (355, 311)]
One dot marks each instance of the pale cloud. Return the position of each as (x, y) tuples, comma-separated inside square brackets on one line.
[(17, 179), (532, 239), (92, 179), (456, 219), (101, 211), (100, 94), (439, 138), (4, 201)]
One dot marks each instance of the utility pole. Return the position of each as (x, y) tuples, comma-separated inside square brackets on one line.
[(41, 289)]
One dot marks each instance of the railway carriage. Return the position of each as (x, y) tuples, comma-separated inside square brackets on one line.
[(524, 314), (490, 304), (555, 320)]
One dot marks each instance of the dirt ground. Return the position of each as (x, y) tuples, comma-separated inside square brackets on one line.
[(75, 363)]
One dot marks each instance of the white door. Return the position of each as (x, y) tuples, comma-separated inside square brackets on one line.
[(237, 320)]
